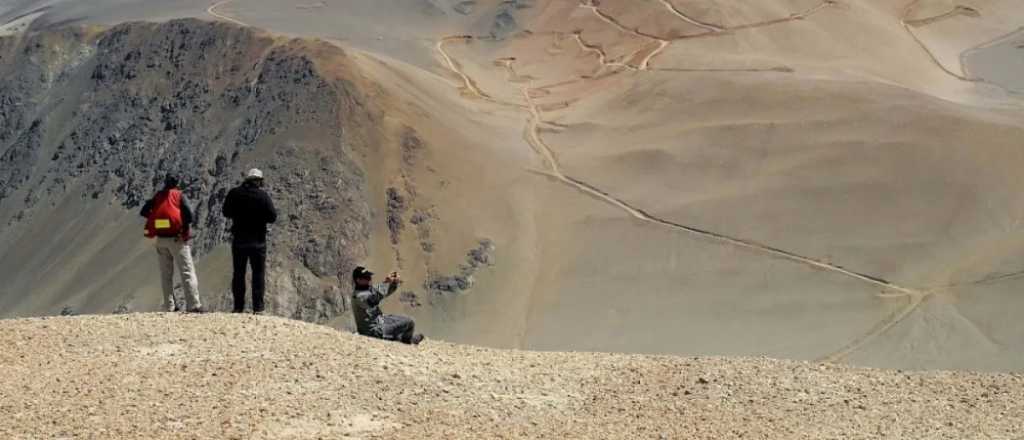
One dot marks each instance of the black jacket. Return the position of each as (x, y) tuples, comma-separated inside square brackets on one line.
[(187, 218), (250, 210)]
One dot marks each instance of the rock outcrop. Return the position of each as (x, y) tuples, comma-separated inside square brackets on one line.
[(103, 115)]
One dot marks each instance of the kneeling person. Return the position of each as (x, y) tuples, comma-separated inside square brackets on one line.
[(370, 321)]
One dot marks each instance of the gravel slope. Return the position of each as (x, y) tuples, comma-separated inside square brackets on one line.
[(220, 376)]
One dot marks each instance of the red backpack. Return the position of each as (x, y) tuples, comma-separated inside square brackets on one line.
[(165, 218)]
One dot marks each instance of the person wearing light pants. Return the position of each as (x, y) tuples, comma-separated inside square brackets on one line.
[(169, 220), (174, 252)]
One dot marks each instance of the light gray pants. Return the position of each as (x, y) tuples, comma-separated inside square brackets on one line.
[(171, 252)]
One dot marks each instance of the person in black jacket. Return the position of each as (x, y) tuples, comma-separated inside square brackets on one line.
[(250, 210)]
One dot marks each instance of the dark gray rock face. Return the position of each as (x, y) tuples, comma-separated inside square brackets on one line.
[(396, 210), (106, 115), (477, 258), (465, 7), (505, 22)]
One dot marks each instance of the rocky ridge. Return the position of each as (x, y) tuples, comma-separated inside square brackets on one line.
[(103, 114)]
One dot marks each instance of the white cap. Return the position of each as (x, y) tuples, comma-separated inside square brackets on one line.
[(254, 174)]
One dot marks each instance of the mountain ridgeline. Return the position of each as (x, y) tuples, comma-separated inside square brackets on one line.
[(92, 119)]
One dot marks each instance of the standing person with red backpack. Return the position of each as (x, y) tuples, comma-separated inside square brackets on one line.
[(169, 219)]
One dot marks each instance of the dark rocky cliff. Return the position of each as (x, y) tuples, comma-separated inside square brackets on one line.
[(102, 115)]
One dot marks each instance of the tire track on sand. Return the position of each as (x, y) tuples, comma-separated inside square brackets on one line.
[(535, 139), (682, 15), (212, 10), (914, 301), (532, 135), (796, 16), (469, 86), (906, 22), (915, 297), (602, 56), (662, 42), (957, 10), (710, 29)]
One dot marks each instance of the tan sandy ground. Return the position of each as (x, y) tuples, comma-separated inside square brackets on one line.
[(221, 376)]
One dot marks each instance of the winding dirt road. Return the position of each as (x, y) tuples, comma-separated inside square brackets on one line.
[(687, 18), (532, 134), (469, 85), (906, 22), (539, 144), (710, 29), (602, 56), (956, 11), (212, 10), (533, 137), (914, 297), (802, 15)]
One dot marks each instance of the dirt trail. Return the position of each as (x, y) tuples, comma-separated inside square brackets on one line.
[(956, 11), (991, 279), (915, 297), (538, 143), (913, 302), (714, 30), (602, 56), (212, 10), (535, 140), (533, 137), (645, 62), (711, 30), (469, 86), (776, 69), (682, 15), (589, 4), (792, 17), (907, 26)]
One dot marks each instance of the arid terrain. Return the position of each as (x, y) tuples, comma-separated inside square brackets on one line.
[(826, 180), (157, 376)]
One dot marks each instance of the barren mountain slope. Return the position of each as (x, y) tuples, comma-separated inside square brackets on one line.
[(94, 119), (746, 167), (796, 178)]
